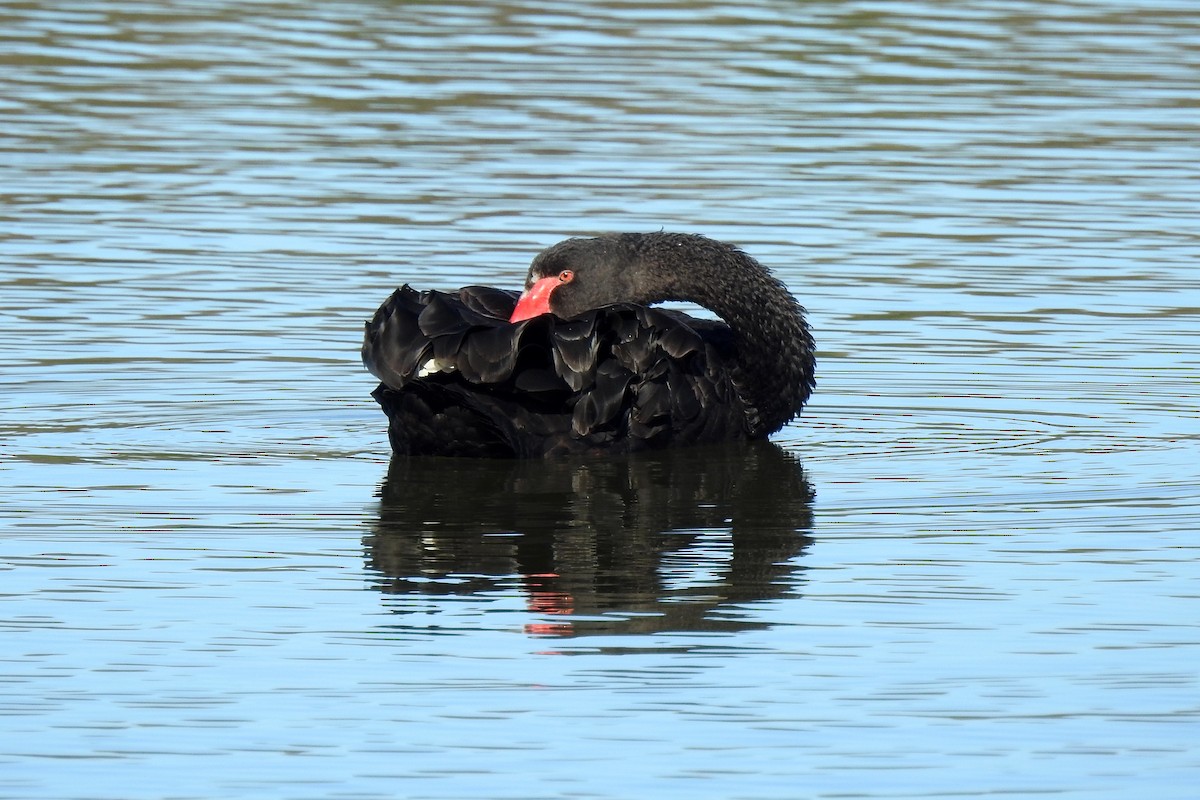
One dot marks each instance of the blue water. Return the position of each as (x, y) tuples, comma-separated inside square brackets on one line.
[(969, 570)]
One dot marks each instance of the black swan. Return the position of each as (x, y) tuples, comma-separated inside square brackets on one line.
[(579, 363)]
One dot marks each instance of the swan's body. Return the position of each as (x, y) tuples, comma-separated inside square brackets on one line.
[(601, 371)]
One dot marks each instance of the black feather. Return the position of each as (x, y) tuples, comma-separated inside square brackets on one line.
[(458, 379)]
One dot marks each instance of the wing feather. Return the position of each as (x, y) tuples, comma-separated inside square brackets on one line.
[(455, 371)]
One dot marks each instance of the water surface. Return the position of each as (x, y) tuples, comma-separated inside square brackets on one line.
[(970, 569)]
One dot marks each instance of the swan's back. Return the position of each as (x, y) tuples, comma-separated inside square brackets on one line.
[(457, 379)]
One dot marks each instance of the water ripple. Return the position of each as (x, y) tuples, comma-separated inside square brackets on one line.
[(988, 209)]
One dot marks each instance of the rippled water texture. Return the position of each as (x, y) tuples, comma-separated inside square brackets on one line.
[(970, 570)]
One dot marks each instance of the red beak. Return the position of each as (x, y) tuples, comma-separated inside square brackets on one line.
[(535, 300)]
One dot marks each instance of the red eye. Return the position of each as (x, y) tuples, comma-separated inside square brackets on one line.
[(566, 276)]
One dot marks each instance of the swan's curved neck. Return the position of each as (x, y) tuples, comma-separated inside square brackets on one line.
[(775, 363)]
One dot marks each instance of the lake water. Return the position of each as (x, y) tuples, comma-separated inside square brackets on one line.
[(971, 569)]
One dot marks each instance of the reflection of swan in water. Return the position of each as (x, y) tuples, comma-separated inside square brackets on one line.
[(651, 542)]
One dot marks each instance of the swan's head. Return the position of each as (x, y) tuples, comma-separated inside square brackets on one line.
[(576, 275)]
